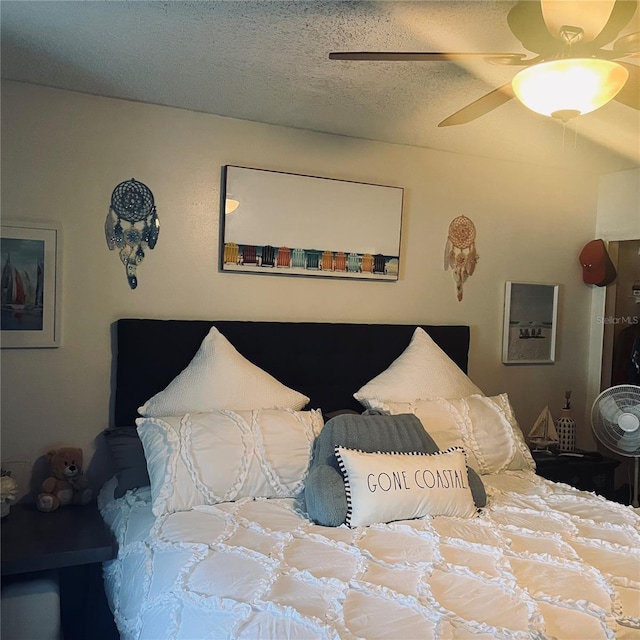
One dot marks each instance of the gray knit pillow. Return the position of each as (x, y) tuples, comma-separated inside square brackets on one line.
[(324, 492)]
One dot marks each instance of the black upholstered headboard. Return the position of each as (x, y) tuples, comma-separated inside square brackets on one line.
[(328, 362)]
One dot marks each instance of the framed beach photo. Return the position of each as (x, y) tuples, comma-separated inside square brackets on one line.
[(530, 318), (30, 295), (288, 224)]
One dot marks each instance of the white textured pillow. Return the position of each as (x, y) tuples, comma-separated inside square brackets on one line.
[(221, 456), (422, 370), (382, 487), (219, 377), (485, 427)]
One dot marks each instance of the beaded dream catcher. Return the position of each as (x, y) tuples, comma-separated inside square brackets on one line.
[(132, 203), (460, 253)]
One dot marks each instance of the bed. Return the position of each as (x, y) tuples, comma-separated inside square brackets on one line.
[(219, 500)]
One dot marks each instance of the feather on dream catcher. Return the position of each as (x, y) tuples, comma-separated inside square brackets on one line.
[(460, 252), (132, 203)]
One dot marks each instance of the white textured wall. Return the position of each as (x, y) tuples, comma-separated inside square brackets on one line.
[(619, 206), (63, 153)]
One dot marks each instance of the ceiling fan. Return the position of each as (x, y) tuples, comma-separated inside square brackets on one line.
[(567, 37)]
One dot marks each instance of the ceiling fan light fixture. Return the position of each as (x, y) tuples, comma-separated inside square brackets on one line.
[(569, 87)]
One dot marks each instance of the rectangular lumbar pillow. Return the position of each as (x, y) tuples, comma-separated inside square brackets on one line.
[(219, 377), (222, 456), (383, 487)]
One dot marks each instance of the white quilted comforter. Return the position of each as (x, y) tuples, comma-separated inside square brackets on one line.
[(542, 561)]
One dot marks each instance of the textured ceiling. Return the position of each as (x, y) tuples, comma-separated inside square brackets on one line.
[(268, 61)]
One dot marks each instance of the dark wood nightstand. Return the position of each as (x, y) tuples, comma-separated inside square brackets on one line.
[(71, 542), (591, 472)]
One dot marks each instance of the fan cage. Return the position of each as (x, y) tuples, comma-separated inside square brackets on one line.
[(609, 405)]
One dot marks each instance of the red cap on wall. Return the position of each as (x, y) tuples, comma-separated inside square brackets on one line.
[(597, 267)]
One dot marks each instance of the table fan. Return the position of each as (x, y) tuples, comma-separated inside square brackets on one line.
[(615, 420)]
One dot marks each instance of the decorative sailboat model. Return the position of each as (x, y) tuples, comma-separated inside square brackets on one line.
[(543, 434)]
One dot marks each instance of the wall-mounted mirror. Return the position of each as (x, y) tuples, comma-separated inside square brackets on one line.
[(621, 318)]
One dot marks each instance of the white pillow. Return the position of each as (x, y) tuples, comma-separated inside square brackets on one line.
[(220, 456), (485, 427), (382, 487), (219, 377), (422, 370)]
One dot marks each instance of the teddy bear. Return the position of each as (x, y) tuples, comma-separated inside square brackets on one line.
[(66, 483)]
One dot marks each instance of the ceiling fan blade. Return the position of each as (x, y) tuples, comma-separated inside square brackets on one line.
[(480, 107), (417, 56), (590, 15), (620, 16), (512, 59), (627, 44), (527, 24), (630, 94)]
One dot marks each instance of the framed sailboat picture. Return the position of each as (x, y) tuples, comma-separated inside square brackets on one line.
[(30, 295), (530, 317)]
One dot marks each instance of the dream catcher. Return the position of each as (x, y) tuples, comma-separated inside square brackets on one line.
[(460, 253), (132, 203)]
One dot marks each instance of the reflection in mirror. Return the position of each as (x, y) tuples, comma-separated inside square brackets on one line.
[(621, 320)]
